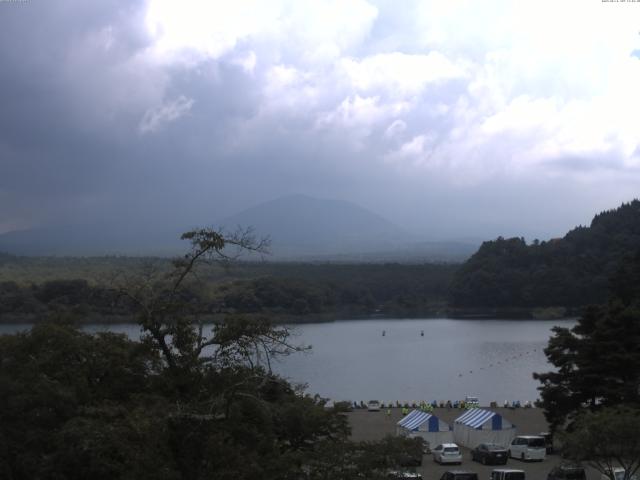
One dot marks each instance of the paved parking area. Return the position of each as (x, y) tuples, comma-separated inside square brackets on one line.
[(375, 425)]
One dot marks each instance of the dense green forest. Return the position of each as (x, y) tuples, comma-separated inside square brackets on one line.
[(570, 272), (33, 288)]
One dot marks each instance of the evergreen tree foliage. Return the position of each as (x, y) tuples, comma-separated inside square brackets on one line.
[(606, 440), (572, 271), (597, 361)]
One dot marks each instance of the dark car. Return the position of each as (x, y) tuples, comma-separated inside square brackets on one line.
[(459, 475), (490, 454), (567, 472)]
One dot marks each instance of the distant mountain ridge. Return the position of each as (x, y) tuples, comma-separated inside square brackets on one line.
[(301, 228), (572, 271), (302, 225)]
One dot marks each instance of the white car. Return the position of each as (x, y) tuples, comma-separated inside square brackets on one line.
[(528, 447), (507, 474), (447, 453), (373, 405)]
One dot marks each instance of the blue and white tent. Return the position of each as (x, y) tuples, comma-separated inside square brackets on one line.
[(425, 425), (477, 426)]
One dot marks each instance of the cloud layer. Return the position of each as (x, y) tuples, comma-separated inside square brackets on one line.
[(452, 118)]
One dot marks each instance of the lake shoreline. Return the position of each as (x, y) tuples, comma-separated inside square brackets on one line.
[(479, 314)]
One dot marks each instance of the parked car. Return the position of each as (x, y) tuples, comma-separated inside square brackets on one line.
[(618, 474), (566, 471), (490, 454), (459, 475), (373, 405), (507, 474), (528, 447), (447, 453)]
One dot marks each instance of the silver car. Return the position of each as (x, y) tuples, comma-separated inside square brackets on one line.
[(447, 453)]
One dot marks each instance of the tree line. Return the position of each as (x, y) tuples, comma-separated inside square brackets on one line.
[(572, 271), (287, 291)]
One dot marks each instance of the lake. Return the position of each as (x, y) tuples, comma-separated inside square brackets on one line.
[(352, 360)]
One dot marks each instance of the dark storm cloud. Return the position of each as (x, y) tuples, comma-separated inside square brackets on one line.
[(52, 141)]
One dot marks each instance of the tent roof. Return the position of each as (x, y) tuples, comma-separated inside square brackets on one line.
[(475, 417), (414, 419)]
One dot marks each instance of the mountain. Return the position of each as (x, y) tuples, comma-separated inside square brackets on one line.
[(572, 271), (299, 226)]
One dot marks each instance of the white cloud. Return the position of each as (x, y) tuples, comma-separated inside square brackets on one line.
[(400, 74), (191, 31), (395, 128), (361, 111), (168, 112), (289, 91), (477, 89), (247, 62), (194, 30), (324, 31), (412, 150)]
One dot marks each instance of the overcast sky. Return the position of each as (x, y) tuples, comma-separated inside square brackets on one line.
[(450, 118)]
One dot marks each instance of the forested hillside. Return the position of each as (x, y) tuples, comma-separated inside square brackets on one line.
[(572, 271), (31, 289)]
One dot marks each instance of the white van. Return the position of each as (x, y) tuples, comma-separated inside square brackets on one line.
[(528, 447), (507, 474)]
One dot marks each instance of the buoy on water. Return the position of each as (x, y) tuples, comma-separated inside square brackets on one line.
[(383, 333), (422, 333)]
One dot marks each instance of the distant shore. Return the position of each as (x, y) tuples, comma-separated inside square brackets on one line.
[(479, 314)]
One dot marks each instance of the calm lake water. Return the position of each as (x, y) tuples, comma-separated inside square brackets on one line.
[(352, 360)]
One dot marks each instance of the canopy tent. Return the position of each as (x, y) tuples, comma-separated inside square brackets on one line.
[(425, 425), (477, 426)]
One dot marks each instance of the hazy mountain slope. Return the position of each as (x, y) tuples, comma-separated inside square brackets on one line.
[(302, 225), (302, 228)]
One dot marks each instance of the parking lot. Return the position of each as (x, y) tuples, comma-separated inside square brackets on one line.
[(530, 421)]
